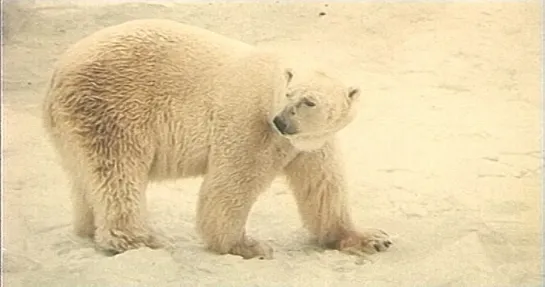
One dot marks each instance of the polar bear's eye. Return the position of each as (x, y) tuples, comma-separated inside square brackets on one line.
[(309, 103)]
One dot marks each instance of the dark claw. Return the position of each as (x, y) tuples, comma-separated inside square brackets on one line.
[(388, 243), (110, 252), (377, 247)]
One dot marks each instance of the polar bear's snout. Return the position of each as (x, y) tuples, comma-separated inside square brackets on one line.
[(283, 125)]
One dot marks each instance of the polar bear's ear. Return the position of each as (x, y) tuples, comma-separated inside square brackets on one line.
[(353, 93), (289, 75)]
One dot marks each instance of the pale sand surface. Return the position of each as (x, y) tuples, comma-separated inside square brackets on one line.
[(446, 153)]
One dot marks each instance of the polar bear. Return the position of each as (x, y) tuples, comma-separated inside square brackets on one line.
[(151, 100)]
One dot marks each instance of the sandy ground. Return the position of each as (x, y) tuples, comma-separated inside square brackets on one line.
[(446, 154)]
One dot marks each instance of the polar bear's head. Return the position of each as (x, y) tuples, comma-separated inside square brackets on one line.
[(316, 107)]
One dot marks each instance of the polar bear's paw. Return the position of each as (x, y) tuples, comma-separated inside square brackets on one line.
[(367, 241), (251, 248), (115, 241)]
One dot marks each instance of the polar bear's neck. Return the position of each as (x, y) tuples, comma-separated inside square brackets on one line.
[(307, 145)]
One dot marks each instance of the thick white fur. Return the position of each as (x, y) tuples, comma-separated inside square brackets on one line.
[(155, 100)]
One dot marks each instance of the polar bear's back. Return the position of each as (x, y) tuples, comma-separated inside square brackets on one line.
[(136, 69), (157, 56), (149, 52), (154, 33)]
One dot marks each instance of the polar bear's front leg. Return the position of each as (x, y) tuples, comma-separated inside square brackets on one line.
[(226, 197), (318, 183)]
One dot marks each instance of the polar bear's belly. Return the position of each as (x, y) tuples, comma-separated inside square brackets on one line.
[(182, 151)]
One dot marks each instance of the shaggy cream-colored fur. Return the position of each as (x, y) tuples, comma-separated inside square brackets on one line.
[(155, 100)]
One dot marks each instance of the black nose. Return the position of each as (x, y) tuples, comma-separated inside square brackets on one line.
[(280, 124), (283, 126)]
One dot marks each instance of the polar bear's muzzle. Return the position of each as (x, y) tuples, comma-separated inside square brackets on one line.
[(284, 126)]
